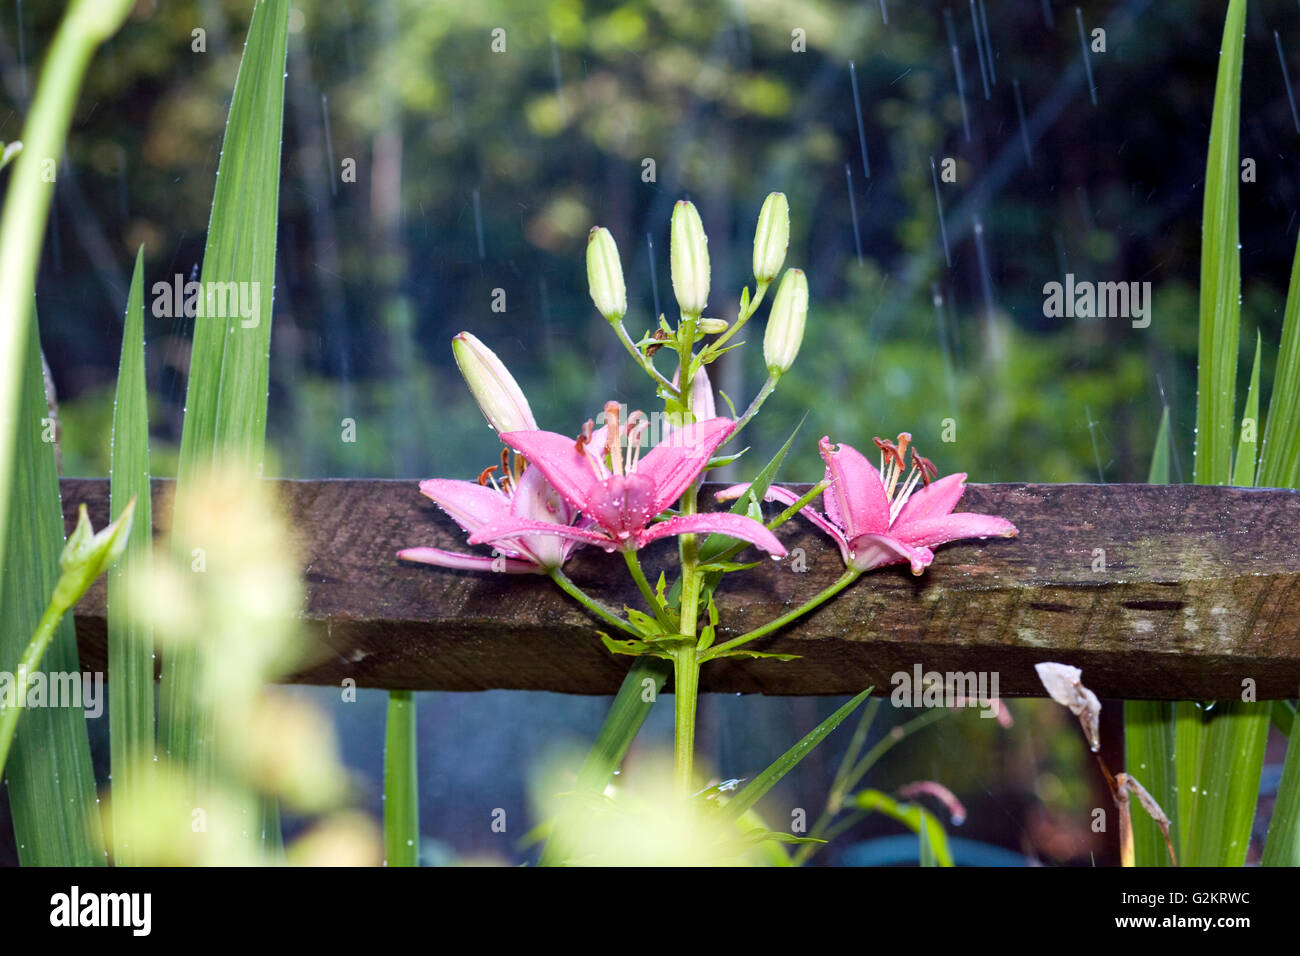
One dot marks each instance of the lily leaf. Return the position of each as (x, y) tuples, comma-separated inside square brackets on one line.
[(766, 780)]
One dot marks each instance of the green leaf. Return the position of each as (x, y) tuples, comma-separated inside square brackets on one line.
[(1219, 754), (1159, 472), (50, 780), (1282, 846), (742, 652), (1282, 713), (1220, 300), (1149, 726), (934, 850), (636, 695), (401, 782), (715, 544), (1149, 732), (1279, 459), (225, 405), (757, 788), (130, 644), (1243, 471)]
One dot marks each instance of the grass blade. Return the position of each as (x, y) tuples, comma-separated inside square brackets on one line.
[(934, 849), (401, 783), (1282, 846), (226, 398), (50, 780), (1243, 469), (1219, 755), (130, 642), (1149, 725), (636, 695), (1220, 305), (765, 781), (1279, 458)]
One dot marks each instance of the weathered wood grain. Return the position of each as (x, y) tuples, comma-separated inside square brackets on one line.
[(1200, 591)]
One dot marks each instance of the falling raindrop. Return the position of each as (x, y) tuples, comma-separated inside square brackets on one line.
[(857, 113), (853, 211), (943, 229), (1087, 61)]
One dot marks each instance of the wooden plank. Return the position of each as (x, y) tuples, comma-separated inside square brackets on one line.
[(1200, 590)]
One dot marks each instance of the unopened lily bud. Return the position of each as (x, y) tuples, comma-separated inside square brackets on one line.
[(785, 324), (713, 326), (605, 275), (498, 395), (87, 555), (771, 237), (689, 252)]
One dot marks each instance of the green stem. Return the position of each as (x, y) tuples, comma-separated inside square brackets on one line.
[(27, 203), (401, 783), (11, 709), (768, 388), (647, 592), (590, 603), (686, 685), (848, 577), (645, 361)]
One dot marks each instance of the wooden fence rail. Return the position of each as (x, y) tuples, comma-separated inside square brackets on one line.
[(1155, 591)]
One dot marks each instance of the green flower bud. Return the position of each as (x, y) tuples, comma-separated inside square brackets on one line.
[(785, 325), (87, 555), (689, 253), (605, 275), (498, 395), (712, 326), (771, 237)]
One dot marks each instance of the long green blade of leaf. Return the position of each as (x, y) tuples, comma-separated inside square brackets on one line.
[(130, 644), (1149, 726), (1243, 469), (636, 695), (1282, 846), (50, 780), (934, 849), (1279, 457), (1220, 305), (757, 788), (1219, 753), (229, 365)]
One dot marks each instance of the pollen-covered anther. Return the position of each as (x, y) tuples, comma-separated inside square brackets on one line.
[(926, 467), (485, 476)]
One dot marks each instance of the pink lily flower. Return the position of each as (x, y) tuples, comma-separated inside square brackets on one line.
[(879, 517), (521, 495), (622, 491)]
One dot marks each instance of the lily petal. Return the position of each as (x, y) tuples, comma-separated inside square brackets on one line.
[(877, 550), (787, 497), (568, 470), (720, 522), (468, 562), (512, 527), (678, 460), (856, 499), (468, 503), (933, 501), (932, 532)]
